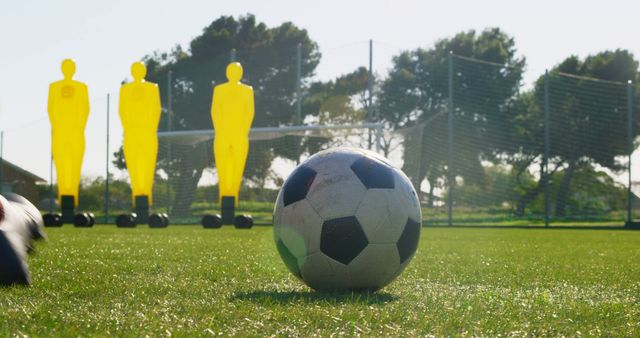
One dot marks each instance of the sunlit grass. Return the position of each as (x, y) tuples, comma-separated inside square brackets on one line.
[(190, 281)]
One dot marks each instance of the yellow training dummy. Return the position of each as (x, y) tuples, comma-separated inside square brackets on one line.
[(232, 113), (140, 114), (68, 109)]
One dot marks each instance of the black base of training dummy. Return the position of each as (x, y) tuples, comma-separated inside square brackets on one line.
[(158, 221), (67, 206), (142, 209), (228, 209)]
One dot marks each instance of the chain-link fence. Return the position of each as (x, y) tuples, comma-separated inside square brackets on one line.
[(480, 148), (558, 153)]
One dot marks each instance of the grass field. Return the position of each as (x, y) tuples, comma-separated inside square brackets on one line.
[(189, 281), (262, 213)]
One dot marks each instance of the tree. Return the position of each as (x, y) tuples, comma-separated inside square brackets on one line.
[(588, 114), (342, 100), (524, 147), (416, 94), (268, 56), (336, 102)]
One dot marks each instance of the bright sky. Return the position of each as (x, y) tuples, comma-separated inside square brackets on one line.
[(104, 37)]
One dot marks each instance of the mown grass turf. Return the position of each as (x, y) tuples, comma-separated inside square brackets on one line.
[(190, 281)]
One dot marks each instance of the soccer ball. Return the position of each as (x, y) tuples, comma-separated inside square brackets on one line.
[(346, 219)]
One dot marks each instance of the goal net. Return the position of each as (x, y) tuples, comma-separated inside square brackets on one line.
[(186, 184)]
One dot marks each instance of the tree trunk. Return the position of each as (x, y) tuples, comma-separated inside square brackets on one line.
[(528, 197), (415, 181), (563, 190), (431, 196), (531, 194)]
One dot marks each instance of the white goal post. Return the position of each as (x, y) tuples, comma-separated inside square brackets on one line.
[(186, 174), (262, 133)]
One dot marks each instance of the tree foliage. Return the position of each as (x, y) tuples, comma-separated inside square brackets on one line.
[(587, 118), (498, 128), (416, 92), (268, 56)]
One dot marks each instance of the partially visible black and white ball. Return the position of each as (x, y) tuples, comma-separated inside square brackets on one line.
[(346, 219), (20, 224), (33, 218)]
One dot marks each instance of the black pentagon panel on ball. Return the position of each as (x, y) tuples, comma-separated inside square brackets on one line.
[(298, 184), (373, 173), (408, 241), (289, 259), (343, 239)]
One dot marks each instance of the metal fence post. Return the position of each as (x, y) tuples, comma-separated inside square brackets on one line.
[(545, 159), (299, 84), (419, 151), (169, 128), (450, 175), (51, 195), (51, 183), (378, 138), (107, 197), (369, 117), (370, 84), (232, 56), (629, 149)]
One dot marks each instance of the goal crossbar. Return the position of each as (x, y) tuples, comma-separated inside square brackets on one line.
[(262, 133)]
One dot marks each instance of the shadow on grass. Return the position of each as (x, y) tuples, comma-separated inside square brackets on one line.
[(335, 297), (533, 227)]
